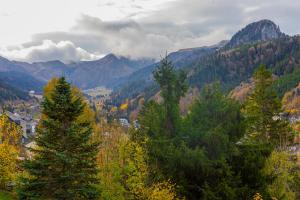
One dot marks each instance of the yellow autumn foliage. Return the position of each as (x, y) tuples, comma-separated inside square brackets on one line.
[(113, 109), (10, 137), (8, 164), (291, 101), (124, 171), (257, 196), (10, 132), (162, 191), (280, 165), (124, 106)]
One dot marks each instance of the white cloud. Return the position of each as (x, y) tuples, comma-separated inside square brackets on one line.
[(65, 51), (136, 28)]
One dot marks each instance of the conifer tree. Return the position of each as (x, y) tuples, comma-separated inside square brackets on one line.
[(64, 161), (173, 86), (262, 111)]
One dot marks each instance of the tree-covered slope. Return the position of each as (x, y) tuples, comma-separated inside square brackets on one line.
[(232, 66), (8, 93), (22, 81)]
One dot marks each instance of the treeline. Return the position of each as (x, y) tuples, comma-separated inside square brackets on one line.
[(219, 150)]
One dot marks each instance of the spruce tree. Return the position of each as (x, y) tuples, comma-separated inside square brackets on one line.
[(173, 86), (64, 161), (262, 112)]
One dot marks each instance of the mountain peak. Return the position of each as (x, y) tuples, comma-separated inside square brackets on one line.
[(110, 56), (257, 31)]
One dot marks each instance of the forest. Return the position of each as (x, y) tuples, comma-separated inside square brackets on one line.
[(221, 149)]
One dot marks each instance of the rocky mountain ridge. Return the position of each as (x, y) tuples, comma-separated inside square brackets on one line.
[(255, 32)]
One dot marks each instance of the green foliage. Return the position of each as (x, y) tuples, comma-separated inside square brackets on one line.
[(286, 82), (215, 124), (173, 86), (64, 162), (248, 164), (284, 171), (207, 156), (211, 115), (262, 112), (6, 196), (197, 156)]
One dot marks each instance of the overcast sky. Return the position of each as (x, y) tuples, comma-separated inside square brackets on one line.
[(72, 30)]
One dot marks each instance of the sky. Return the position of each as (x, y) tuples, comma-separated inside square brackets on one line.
[(74, 30)]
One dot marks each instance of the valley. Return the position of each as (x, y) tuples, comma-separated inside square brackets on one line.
[(113, 81), (217, 122)]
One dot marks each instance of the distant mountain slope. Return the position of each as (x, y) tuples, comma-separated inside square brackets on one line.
[(259, 42), (105, 71), (233, 66), (141, 81), (21, 81), (7, 65), (15, 75), (45, 70), (85, 74), (8, 93), (255, 32)]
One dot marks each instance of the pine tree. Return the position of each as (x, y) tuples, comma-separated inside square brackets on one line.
[(262, 111), (64, 162)]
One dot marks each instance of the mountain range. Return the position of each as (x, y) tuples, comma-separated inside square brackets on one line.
[(228, 61), (23, 76)]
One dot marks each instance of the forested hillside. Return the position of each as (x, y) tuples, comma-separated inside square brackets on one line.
[(22, 81), (232, 66), (141, 82), (8, 93)]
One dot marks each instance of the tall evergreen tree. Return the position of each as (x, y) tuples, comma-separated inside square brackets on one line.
[(173, 86), (161, 123), (64, 162), (214, 125), (262, 111)]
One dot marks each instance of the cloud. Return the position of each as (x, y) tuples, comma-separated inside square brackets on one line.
[(151, 32), (132, 38), (65, 51)]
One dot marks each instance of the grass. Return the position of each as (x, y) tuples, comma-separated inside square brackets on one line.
[(6, 196)]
